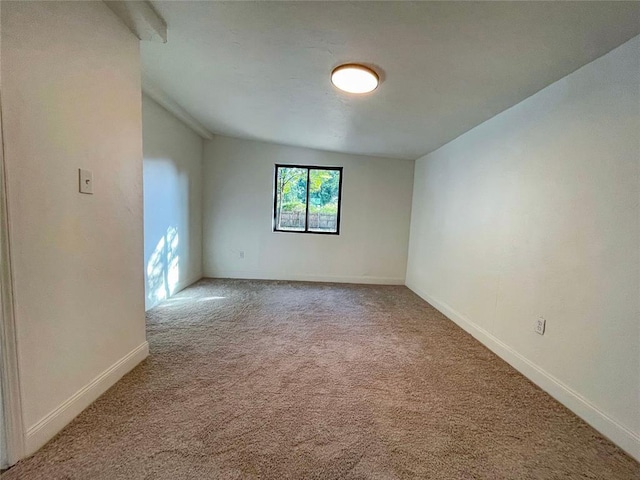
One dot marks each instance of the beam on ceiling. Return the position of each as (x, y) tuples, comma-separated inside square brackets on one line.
[(157, 94), (141, 18)]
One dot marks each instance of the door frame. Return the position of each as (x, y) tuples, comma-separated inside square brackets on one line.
[(9, 369)]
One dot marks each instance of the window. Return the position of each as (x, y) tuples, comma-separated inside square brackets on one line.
[(307, 199)]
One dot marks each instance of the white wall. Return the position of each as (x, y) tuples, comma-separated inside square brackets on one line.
[(172, 203), (70, 99), (238, 212), (535, 213)]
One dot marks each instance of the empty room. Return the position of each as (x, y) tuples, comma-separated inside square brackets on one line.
[(319, 240)]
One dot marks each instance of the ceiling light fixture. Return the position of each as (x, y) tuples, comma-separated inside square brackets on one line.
[(354, 78)]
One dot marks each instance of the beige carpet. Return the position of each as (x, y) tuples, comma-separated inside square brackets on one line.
[(278, 380)]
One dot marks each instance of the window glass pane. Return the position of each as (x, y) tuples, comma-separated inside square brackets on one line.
[(324, 188), (291, 199)]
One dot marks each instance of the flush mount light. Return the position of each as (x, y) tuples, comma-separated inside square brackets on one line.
[(354, 78)]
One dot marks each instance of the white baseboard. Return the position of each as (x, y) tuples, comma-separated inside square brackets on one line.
[(50, 425), (610, 428), (187, 283), (307, 278), (178, 288)]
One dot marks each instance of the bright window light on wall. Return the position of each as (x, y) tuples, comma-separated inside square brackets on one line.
[(354, 78)]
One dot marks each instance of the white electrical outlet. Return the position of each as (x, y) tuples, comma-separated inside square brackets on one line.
[(86, 181), (541, 323), (241, 254)]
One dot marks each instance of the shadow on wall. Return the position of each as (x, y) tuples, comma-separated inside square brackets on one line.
[(163, 267)]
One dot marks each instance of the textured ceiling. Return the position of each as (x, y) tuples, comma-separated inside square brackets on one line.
[(260, 70)]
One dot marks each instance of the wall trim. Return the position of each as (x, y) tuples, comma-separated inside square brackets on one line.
[(56, 420), (11, 401), (620, 435), (187, 283), (308, 278), (179, 287)]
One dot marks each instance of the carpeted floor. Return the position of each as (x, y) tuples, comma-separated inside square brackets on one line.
[(285, 380)]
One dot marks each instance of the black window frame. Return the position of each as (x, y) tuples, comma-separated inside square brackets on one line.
[(308, 168)]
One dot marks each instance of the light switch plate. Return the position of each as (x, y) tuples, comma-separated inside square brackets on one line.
[(540, 325), (86, 181)]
